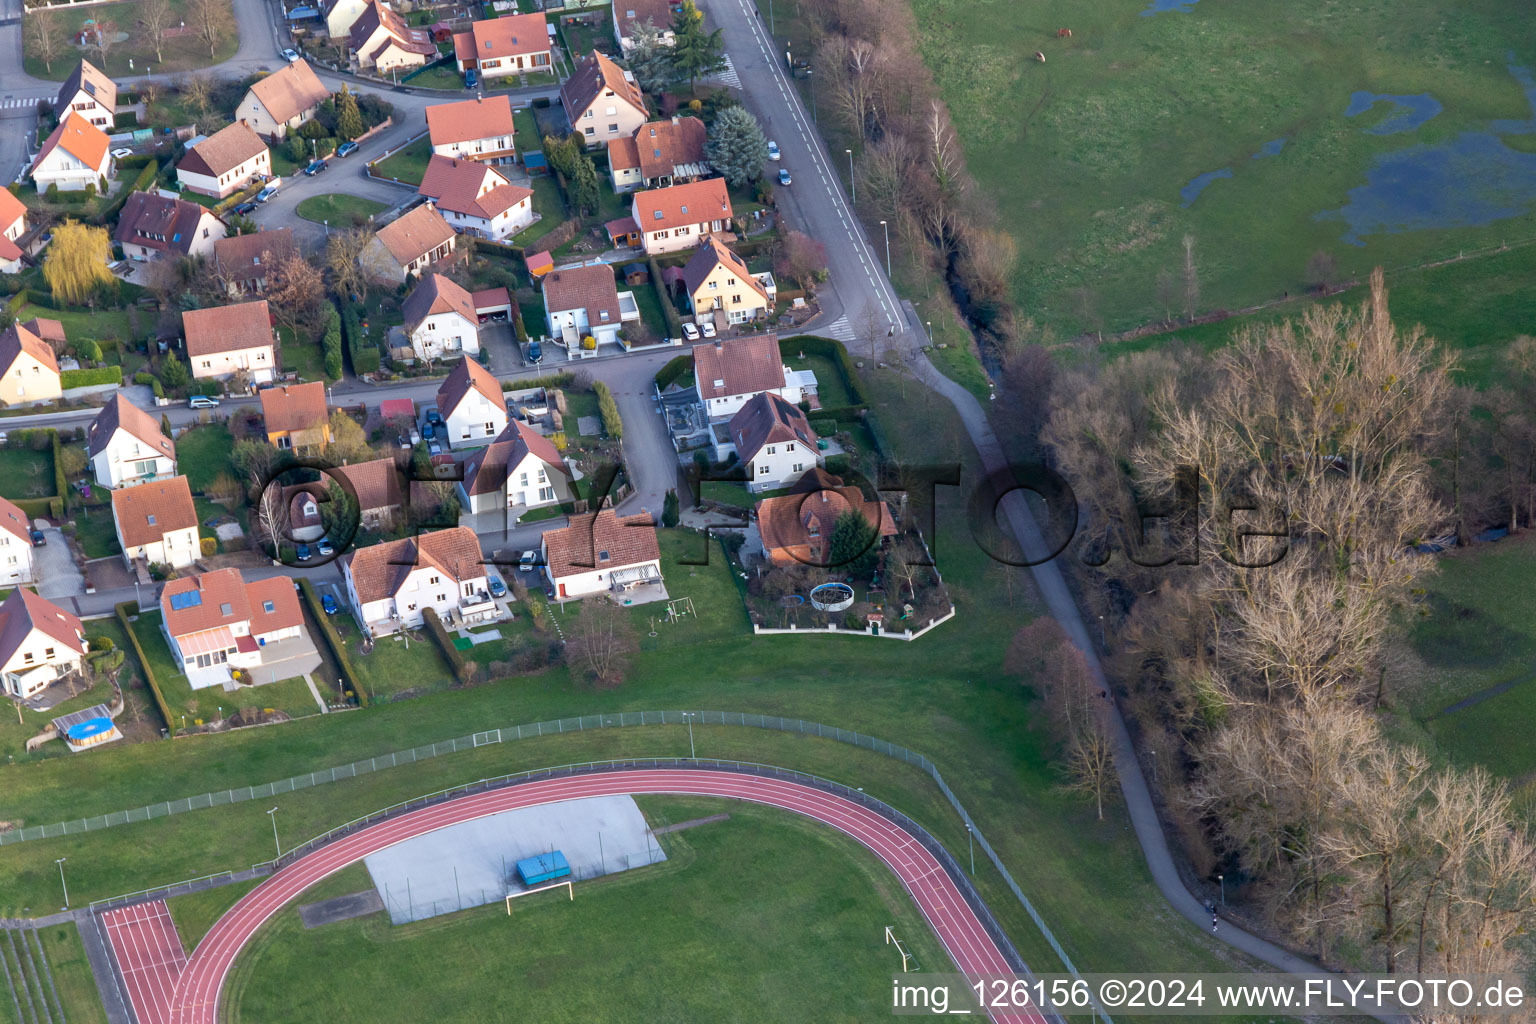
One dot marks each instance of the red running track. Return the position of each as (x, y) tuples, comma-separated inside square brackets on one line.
[(196, 996), (149, 957)]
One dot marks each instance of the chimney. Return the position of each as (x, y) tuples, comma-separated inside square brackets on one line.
[(676, 119)]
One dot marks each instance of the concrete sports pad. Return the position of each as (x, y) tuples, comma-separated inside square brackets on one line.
[(938, 888), (472, 863)]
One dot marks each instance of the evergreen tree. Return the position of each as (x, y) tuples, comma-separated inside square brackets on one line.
[(650, 59), (670, 512), (586, 192), (349, 120), (695, 52), (854, 543), (173, 372), (737, 148)]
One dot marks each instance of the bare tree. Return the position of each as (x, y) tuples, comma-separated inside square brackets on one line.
[(210, 18), (104, 41), (343, 259), (295, 290), (869, 327), (199, 92), (602, 641), (271, 512), (156, 16), (45, 37), (885, 169)]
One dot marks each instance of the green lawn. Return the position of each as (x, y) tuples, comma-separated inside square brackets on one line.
[(1084, 157), (725, 920), (97, 325), (446, 77), (1473, 636), (71, 973), (202, 453), (26, 472), (396, 665), (303, 357), (830, 389), (409, 165), (196, 912), (97, 531), (652, 319), (339, 209), (577, 405), (526, 130), (550, 204), (182, 53)]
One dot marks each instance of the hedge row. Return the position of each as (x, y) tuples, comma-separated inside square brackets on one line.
[(146, 177), (833, 350), (674, 322), (91, 377), (330, 344), (149, 673), (333, 641), (675, 368), (559, 379), (60, 483), (613, 424), (35, 508), (461, 670), (360, 348), (153, 382)]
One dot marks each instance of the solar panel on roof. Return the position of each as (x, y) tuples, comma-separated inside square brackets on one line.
[(188, 599)]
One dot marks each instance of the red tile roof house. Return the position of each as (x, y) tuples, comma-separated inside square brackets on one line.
[(440, 320), (582, 302), (517, 44), (774, 442), (91, 94), (242, 262), (631, 14), (376, 487), (476, 198), (729, 373), (389, 585), (127, 447), (16, 565), (295, 416), (40, 643), (521, 470), (152, 226), (216, 622), (75, 157), (473, 405), (228, 340), (478, 129), (381, 41), (225, 162), (658, 154), (283, 100), (604, 553), (602, 100), (157, 523), (13, 224), (681, 216), (408, 245), (797, 528)]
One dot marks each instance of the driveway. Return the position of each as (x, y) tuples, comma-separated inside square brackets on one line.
[(58, 575)]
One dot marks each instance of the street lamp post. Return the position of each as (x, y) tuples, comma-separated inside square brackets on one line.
[(887, 228), (930, 331), (1222, 881), (972, 844), (770, 17), (692, 756), (853, 186), (809, 73), (273, 815), (62, 883)]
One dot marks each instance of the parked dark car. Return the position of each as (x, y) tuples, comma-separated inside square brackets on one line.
[(428, 432), (303, 552), (245, 208), (39, 538), (434, 417), (328, 603), (315, 167), (498, 588), (471, 78)]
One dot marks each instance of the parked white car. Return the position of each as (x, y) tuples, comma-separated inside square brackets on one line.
[(773, 150), (690, 332)]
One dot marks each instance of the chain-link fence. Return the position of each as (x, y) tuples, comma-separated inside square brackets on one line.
[(583, 723)]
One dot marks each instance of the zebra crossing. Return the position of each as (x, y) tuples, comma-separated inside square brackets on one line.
[(10, 104), (840, 329), (728, 75)]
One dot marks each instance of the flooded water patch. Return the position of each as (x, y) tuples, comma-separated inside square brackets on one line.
[(1270, 148), (1409, 112), (1163, 6), (1197, 184)]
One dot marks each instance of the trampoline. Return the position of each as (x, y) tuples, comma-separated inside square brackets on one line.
[(831, 597)]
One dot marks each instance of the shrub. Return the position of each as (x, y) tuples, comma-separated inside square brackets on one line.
[(670, 373), (153, 382), (462, 670), (330, 344), (670, 512), (613, 425), (209, 546), (333, 641), (91, 377), (669, 311), (824, 427), (149, 673), (60, 480)]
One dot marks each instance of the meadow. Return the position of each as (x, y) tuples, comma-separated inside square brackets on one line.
[(1384, 132)]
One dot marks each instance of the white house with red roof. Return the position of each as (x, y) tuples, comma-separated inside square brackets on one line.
[(681, 216), (729, 373), (515, 44), (473, 406), (13, 224), (390, 585), (602, 100), (522, 470), (477, 129), (40, 643), (16, 565), (476, 198), (126, 446), (76, 156), (604, 553), (440, 319), (584, 301), (215, 622)]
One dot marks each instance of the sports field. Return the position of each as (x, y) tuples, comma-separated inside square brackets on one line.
[(1378, 132), (762, 917)]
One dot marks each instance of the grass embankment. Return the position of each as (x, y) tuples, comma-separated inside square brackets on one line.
[(340, 210)]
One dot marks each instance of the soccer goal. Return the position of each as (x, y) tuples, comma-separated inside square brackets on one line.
[(569, 889), (908, 961)]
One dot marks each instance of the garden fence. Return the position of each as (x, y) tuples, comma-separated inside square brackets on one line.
[(530, 731)]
